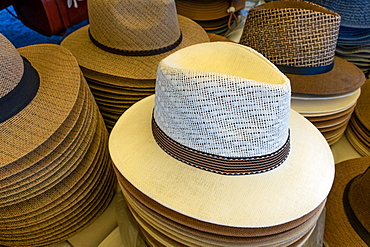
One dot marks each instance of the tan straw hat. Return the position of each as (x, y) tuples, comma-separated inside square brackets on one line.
[(300, 39), (347, 214), (129, 38), (52, 139), (224, 146)]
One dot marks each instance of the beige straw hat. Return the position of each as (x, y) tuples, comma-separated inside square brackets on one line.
[(300, 39), (129, 38), (225, 146), (347, 214)]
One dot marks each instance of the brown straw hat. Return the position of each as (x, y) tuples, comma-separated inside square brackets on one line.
[(206, 10), (53, 138), (348, 206), (31, 119), (129, 38), (300, 39)]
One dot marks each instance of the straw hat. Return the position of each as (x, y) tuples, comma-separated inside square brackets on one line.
[(40, 93), (53, 140), (129, 38), (270, 165), (300, 38), (353, 13), (206, 10), (347, 215)]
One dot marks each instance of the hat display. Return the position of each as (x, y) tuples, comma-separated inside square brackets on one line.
[(218, 144), (347, 209), (56, 176), (300, 38), (215, 16), (118, 44), (358, 133)]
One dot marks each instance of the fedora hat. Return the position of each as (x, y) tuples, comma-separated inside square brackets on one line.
[(347, 211), (52, 139), (224, 146), (354, 13), (300, 38), (128, 38)]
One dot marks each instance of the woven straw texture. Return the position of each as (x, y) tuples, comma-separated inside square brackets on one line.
[(353, 13), (205, 10), (248, 118), (56, 174), (338, 230), (131, 25), (56, 97), (296, 187), (11, 67), (292, 33)]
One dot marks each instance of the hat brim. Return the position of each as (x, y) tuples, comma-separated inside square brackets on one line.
[(343, 78), (338, 231), (56, 97), (275, 197), (93, 58)]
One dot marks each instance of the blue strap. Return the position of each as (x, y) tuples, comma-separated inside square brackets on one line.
[(305, 70), (17, 99)]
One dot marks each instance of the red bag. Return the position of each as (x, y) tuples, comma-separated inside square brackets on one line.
[(50, 17)]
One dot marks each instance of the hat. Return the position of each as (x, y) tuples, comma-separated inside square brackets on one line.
[(54, 157), (206, 10), (300, 39), (347, 210), (353, 13), (359, 124), (129, 38), (224, 146)]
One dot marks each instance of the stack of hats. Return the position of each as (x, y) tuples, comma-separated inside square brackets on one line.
[(300, 37), (348, 206), (119, 50), (215, 16), (56, 175), (358, 131), (220, 160), (354, 35)]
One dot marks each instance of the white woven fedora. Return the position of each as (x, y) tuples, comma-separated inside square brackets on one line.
[(222, 152)]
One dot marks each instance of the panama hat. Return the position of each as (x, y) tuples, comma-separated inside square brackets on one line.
[(129, 38), (300, 38), (353, 13), (347, 214), (223, 111)]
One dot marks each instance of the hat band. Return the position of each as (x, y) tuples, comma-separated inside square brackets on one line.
[(220, 164), (133, 52), (17, 99), (351, 216), (305, 70)]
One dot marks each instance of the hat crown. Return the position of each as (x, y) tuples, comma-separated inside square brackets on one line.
[(11, 66), (134, 25), (238, 108), (293, 33)]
